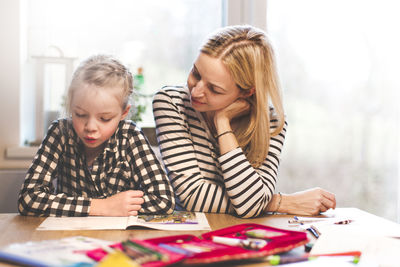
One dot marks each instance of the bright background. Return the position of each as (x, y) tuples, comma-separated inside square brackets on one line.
[(338, 63)]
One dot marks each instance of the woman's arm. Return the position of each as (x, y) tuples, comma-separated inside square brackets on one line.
[(308, 202), (251, 189), (37, 195), (248, 189), (196, 181)]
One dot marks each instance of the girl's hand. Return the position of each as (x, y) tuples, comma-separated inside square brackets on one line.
[(126, 203), (309, 202)]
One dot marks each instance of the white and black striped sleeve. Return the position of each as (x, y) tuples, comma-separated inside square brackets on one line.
[(250, 189), (195, 191), (242, 189)]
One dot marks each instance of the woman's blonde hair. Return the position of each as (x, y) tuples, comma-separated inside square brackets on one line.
[(249, 57), (101, 71)]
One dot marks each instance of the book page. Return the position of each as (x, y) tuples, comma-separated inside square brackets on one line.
[(325, 262), (381, 250), (83, 223), (353, 220), (177, 221)]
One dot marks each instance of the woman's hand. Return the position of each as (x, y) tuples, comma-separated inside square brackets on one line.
[(238, 108), (126, 203), (309, 202)]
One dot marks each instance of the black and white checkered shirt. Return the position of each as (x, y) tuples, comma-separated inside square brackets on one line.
[(59, 182)]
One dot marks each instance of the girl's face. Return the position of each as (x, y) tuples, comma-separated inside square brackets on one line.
[(96, 113), (211, 85)]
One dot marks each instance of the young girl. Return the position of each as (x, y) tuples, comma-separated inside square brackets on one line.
[(95, 162), (221, 136)]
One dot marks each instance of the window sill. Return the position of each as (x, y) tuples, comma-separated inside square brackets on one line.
[(21, 152)]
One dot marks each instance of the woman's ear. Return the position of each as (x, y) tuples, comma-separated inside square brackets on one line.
[(249, 92), (125, 112)]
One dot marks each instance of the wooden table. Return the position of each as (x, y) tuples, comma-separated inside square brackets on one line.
[(17, 229)]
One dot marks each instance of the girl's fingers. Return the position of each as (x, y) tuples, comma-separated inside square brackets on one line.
[(136, 201), (136, 193), (132, 213), (134, 208)]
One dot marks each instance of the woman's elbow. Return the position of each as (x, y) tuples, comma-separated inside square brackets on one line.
[(247, 215), (250, 212)]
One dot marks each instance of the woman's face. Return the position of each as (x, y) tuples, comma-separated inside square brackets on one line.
[(211, 85)]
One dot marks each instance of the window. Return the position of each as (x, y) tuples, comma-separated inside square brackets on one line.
[(161, 37), (338, 63)]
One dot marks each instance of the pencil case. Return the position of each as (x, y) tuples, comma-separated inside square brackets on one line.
[(191, 250), (169, 257), (204, 250)]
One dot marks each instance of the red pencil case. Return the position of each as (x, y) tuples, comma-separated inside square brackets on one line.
[(277, 241), (100, 253), (192, 250)]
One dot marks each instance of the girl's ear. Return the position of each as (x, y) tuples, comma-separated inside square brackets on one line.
[(126, 111)]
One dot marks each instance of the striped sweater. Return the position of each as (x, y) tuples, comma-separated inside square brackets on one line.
[(203, 179)]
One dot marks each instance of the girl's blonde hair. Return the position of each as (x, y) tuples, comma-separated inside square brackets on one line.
[(101, 71), (249, 57)]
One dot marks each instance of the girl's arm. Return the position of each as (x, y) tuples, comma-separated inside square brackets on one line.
[(37, 195), (126, 203), (158, 194)]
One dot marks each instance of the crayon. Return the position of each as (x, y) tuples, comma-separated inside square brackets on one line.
[(244, 243), (313, 232), (141, 253), (344, 222), (276, 259), (175, 249)]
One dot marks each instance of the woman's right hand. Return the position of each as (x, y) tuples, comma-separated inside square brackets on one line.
[(126, 203), (309, 202), (238, 108)]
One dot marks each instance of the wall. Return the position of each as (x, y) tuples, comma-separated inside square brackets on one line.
[(9, 75), (10, 181), (12, 171), (10, 64)]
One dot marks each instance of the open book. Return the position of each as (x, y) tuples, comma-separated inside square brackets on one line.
[(177, 221), (70, 251)]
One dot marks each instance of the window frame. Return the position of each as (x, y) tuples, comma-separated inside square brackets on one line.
[(14, 155), (13, 28)]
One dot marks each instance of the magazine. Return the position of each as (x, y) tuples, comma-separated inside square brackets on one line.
[(70, 251), (177, 221)]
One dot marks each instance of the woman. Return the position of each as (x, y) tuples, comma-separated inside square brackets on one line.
[(221, 136)]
